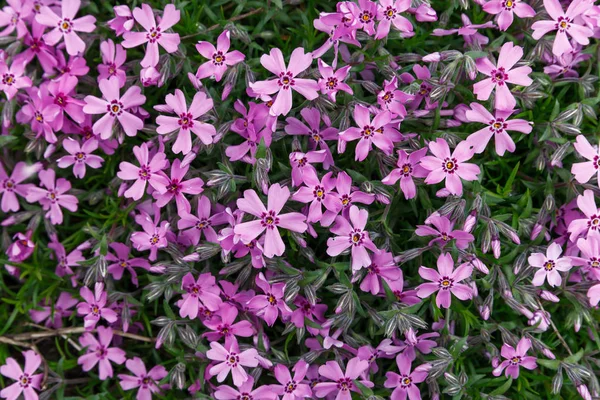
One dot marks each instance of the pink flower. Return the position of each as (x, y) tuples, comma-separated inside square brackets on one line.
[(270, 219), (408, 167), (505, 10), (35, 47), (54, 313), (302, 164), (317, 136), (201, 292), (388, 14), (445, 281), (223, 325), (271, 303), (565, 23), (515, 359), (412, 342), (292, 388), (94, 306), (231, 360), (113, 58), (364, 14), (378, 132), (154, 235), (343, 383), (75, 66), (502, 74), (26, 382), (392, 99), (549, 265), (99, 353), (64, 261), (123, 20), (60, 91), (333, 81), (186, 121), (584, 171), (221, 58), (306, 310), (202, 223), (12, 79), (497, 127), (80, 156), (66, 26), (176, 187), (13, 16), (317, 193), (52, 196), (444, 232), (347, 196), (468, 31), (40, 111), (382, 267), (591, 223), (146, 381), (405, 383), (593, 294), (147, 172), (354, 236), (154, 35), (120, 262), (114, 106), (11, 186), (450, 166), (264, 392), (286, 80)]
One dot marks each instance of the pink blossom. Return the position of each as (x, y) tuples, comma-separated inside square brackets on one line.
[(341, 383), (565, 23), (223, 324), (253, 128), (389, 13), (408, 167), (54, 313), (378, 132), (264, 392), (75, 66), (302, 164), (591, 223), (201, 292), (113, 58), (444, 232), (52, 196), (11, 186), (120, 261), (186, 121), (146, 381), (270, 219), (505, 11), (19, 250), (176, 187), (114, 106), (515, 359), (61, 92), (99, 352), (412, 342), (445, 281), (123, 20), (150, 76), (154, 34), (26, 381), (221, 58), (468, 31), (549, 265), (382, 267), (392, 99), (364, 14), (347, 196), (450, 166), (502, 74), (94, 307), (35, 47), (332, 81), (14, 16), (80, 156), (286, 80), (405, 383), (385, 349), (306, 310), (202, 223), (352, 236), (66, 26), (593, 294), (317, 136), (40, 111), (147, 172), (589, 257), (584, 171), (64, 261), (12, 79), (403, 296), (292, 388), (317, 193), (231, 359), (154, 235), (498, 126), (271, 303)]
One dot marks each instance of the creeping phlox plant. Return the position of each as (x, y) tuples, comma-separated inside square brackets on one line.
[(299, 199)]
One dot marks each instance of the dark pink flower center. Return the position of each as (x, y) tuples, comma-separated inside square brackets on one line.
[(367, 131), (373, 269), (174, 187), (291, 386), (499, 76), (186, 121), (144, 173), (115, 108), (65, 26), (202, 224), (286, 80), (346, 200), (406, 169), (509, 4), (549, 265), (388, 97), (25, 380), (218, 58), (446, 283), (95, 310), (445, 237), (331, 83), (271, 299), (52, 196), (232, 359), (515, 360), (344, 384), (563, 24), (112, 69), (8, 185), (80, 157), (154, 239), (356, 237), (153, 34), (594, 222), (8, 79), (390, 13), (319, 192), (61, 100), (269, 219), (405, 381), (498, 125), (101, 352), (366, 17)]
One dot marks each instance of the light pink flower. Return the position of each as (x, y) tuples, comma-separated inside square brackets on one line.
[(12, 79), (54, 313), (271, 303), (445, 281), (120, 261), (113, 58), (99, 353), (11, 186), (505, 10), (392, 99), (231, 359), (61, 91), (292, 388), (36, 48), (94, 307), (224, 326), (584, 171), (26, 381), (302, 164), (154, 235), (317, 136), (515, 359), (389, 13), (332, 81), (286, 80), (347, 195), (590, 225), (123, 20), (594, 295), (146, 381), (147, 172), (265, 392), (80, 156), (405, 383), (382, 267), (14, 16), (341, 383), (501, 75), (201, 224), (444, 232), (408, 167), (317, 193), (549, 265), (201, 292), (221, 58), (52, 196)]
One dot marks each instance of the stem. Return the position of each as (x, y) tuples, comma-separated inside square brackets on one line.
[(67, 331), (560, 338), (216, 26)]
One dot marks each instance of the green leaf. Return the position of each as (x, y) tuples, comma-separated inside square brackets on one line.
[(502, 389)]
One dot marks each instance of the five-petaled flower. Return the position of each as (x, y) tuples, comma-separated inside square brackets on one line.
[(515, 358), (549, 265), (445, 281)]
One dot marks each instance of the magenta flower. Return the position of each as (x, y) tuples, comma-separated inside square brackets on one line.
[(382, 267), (506, 10), (591, 223), (549, 265), (177, 187), (343, 383), (64, 261), (302, 164), (147, 172), (515, 359), (354, 236), (565, 23), (271, 303), (286, 80), (408, 167), (502, 74), (40, 111), (412, 342), (113, 58), (231, 360), (584, 171), (202, 224), (11, 186), (317, 136), (154, 235), (292, 388), (12, 79), (35, 47), (450, 166), (377, 132), (264, 392), (75, 66), (66, 26), (54, 313), (221, 58), (223, 325), (405, 383), (145, 381), (332, 81), (311, 312), (123, 20), (317, 193), (26, 381), (593, 294), (120, 261), (392, 99), (445, 281), (80, 156), (497, 127), (99, 353), (114, 106), (94, 307), (444, 232), (52, 196), (154, 34), (347, 196), (388, 14), (14, 16), (61, 92), (186, 121), (201, 292), (270, 219)]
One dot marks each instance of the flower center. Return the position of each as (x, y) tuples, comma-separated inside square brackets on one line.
[(319, 192), (24, 380), (367, 131), (286, 80), (154, 239), (390, 12), (153, 35), (509, 4), (95, 310), (144, 172), (332, 82), (356, 237), (549, 265), (9, 184), (8, 79), (186, 121), (271, 299), (290, 387), (344, 384), (515, 360), (446, 283), (203, 224), (52, 196), (65, 25), (115, 108), (563, 24), (449, 165), (594, 222), (218, 58), (345, 199), (174, 187), (499, 76), (233, 359), (498, 125), (406, 169), (406, 381), (269, 220), (366, 17), (79, 157)]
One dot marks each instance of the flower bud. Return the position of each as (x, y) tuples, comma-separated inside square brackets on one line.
[(546, 295)]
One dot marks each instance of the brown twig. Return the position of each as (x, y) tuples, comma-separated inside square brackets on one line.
[(216, 26), (75, 330)]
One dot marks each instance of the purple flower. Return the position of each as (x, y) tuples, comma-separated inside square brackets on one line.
[(332, 81), (347, 196), (549, 265), (35, 47), (317, 193), (94, 307), (52, 196), (154, 235), (40, 111), (271, 303), (302, 164), (147, 172), (99, 352), (11, 186), (306, 310), (121, 262), (505, 10), (12, 79), (444, 233), (113, 58), (515, 359), (317, 136), (408, 167), (342, 383), (412, 342), (201, 292), (80, 156), (388, 14), (223, 324), (14, 16), (292, 388), (220, 58), (26, 381), (392, 99), (584, 171), (231, 360), (61, 93), (54, 313), (123, 21), (64, 261), (264, 392), (146, 381), (405, 383), (591, 223), (445, 281), (177, 187), (382, 267), (202, 224)]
